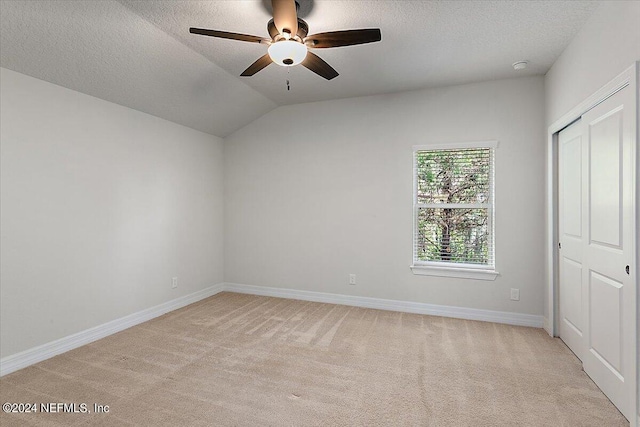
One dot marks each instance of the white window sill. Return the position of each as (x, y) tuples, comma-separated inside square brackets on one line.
[(463, 273)]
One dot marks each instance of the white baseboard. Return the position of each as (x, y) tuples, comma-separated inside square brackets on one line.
[(518, 319), (546, 326), (42, 352)]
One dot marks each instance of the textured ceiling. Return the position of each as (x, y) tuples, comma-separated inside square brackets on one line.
[(103, 49), (140, 53)]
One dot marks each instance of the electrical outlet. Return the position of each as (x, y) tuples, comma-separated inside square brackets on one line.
[(174, 282), (515, 294), (352, 279)]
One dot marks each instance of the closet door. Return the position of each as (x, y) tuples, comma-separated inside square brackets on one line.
[(571, 193), (609, 304)]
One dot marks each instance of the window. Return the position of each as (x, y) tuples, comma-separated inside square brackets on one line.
[(453, 233)]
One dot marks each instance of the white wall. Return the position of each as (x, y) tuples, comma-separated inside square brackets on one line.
[(314, 192), (608, 44), (101, 206)]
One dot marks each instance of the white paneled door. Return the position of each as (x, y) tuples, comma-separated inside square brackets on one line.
[(570, 225), (596, 234)]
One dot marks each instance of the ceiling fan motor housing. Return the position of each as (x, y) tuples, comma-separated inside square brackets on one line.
[(303, 29)]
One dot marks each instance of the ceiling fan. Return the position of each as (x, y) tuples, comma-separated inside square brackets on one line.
[(289, 43)]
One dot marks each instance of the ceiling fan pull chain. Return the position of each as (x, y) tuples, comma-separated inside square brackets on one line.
[(288, 72)]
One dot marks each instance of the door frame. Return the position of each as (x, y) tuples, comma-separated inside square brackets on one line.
[(628, 78)]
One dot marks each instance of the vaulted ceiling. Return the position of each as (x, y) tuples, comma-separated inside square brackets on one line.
[(140, 54)]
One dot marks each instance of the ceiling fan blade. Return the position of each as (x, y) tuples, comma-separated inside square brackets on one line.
[(261, 63), (343, 38), (231, 36), (285, 16), (319, 66)]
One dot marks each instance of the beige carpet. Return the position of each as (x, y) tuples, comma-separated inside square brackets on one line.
[(243, 360)]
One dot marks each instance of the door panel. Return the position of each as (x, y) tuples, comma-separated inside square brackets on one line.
[(606, 321), (571, 283), (572, 178), (605, 186), (571, 194), (608, 247)]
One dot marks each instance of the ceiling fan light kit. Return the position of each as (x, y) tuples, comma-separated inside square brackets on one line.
[(287, 52), (289, 44)]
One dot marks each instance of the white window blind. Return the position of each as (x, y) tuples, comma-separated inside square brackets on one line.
[(454, 206)]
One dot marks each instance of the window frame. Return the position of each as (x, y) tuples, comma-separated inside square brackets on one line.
[(456, 269)]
